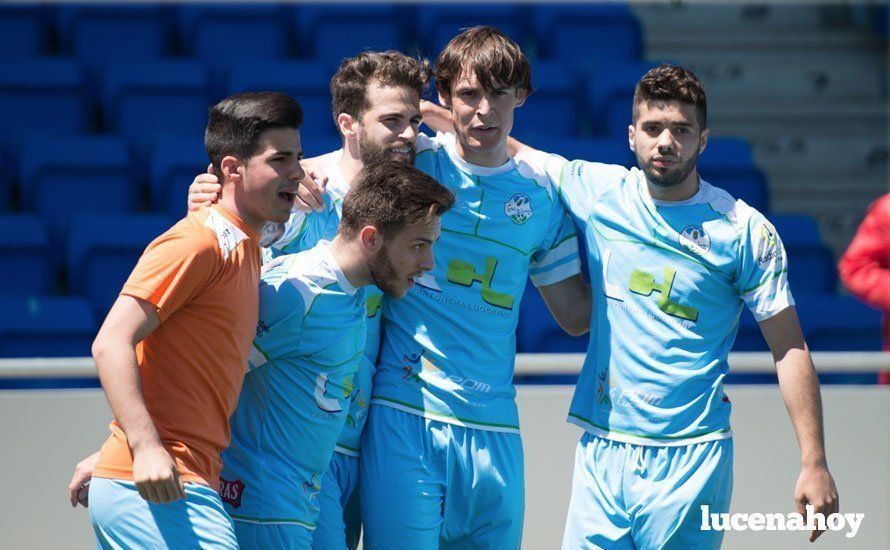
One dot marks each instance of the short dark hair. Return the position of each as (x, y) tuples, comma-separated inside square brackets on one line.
[(492, 55), (236, 123), (672, 83), (390, 195), (349, 85)]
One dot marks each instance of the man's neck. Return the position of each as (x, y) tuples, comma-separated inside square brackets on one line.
[(230, 202), (488, 159), (351, 262), (350, 163), (683, 191)]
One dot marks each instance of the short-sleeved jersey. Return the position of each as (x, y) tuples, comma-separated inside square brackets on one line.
[(302, 232), (449, 346), (309, 341), (202, 277), (668, 281)]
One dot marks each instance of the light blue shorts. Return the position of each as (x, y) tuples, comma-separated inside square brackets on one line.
[(426, 484), (262, 535), (640, 496), (339, 524), (123, 519)]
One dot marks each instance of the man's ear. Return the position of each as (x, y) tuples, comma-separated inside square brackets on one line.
[(521, 96), (703, 140), (231, 169), (346, 125), (444, 98), (631, 132), (371, 239)]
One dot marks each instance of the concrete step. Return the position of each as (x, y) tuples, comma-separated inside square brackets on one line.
[(786, 75), (756, 116), (862, 155), (664, 42), (695, 15)]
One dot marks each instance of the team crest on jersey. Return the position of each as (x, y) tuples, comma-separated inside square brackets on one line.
[(519, 208), (230, 491), (694, 239)]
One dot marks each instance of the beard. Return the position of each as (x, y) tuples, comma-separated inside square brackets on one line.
[(671, 178), (373, 152), (384, 274)]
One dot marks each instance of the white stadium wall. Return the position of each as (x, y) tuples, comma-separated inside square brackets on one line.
[(45, 432)]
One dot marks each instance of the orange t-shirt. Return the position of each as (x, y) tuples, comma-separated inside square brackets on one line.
[(203, 277)]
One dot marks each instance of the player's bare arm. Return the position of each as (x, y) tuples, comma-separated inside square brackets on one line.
[(569, 302), (129, 322), (800, 391)]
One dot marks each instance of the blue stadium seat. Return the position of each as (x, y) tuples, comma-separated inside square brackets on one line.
[(306, 81), (45, 327), (587, 33), (24, 31), (223, 32), (91, 172), (555, 106), (811, 266), (606, 150), (333, 32), (142, 101), (610, 92), (437, 24), (729, 164), (839, 323), (174, 164), (538, 332), (41, 95), (749, 337), (98, 33), (24, 251), (103, 250)]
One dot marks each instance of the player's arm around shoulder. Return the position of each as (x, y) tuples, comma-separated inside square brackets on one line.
[(569, 301), (282, 310)]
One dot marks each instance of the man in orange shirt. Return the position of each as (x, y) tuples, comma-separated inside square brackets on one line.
[(173, 350)]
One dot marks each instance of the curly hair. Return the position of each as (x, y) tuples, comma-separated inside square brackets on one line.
[(349, 85), (672, 83)]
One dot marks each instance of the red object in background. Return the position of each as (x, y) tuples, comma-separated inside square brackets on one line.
[(865, 266)]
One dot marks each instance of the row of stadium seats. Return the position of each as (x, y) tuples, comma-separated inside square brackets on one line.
[(140, 101), (65, 326), (98, 252), (102, 174), (101, 33), (830, 323)]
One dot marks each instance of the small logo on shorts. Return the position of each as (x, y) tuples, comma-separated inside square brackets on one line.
[(230, 492), (694, 239), (519, 208)]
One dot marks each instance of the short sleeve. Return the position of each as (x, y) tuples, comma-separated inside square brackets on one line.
[(174, 269), (763, 269), (557, 258), (281, 313)]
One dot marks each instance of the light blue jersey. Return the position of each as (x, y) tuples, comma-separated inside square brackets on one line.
[(668, 282), (449, 346), (293, 406), (302, 232)]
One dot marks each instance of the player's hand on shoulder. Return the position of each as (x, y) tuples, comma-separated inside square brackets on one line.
[(310, 195), (816, 487), (156, 476), (204, 190), (79, 487)]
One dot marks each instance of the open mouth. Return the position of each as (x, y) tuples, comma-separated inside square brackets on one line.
[(288, 196)]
